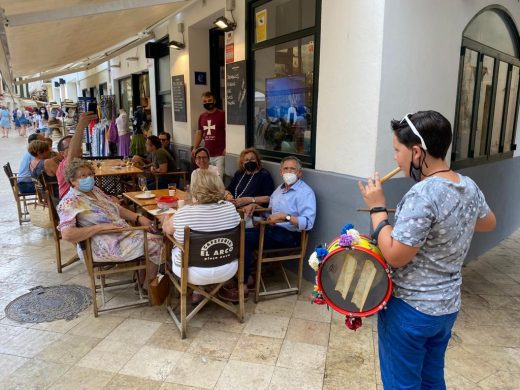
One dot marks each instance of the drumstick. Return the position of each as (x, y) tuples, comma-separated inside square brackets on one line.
[(390, 175)]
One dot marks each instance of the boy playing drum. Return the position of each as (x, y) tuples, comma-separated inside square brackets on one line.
[(434, 225)]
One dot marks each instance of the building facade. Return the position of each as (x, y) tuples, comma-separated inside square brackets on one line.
[(323, 79)]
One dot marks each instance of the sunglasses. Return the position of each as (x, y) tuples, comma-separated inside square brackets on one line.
[(414, 130)]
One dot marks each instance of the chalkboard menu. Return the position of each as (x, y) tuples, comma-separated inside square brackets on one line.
[(236, 93), (179, 98)]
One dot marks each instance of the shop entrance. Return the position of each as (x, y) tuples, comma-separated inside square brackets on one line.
[(216, 64)]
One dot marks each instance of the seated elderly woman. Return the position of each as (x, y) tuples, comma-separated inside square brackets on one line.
[(85, 211), (208, 213), (202, 157), (251, 184)]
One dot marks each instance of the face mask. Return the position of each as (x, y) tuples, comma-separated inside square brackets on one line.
[(290, 178), (86, 184), (209, 106), (415, 173), (251, 166)]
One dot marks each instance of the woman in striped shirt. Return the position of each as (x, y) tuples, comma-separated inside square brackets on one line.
[(208, 213)]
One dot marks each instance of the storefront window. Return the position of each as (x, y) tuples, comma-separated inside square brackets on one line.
[(486, 114), (284, 56)]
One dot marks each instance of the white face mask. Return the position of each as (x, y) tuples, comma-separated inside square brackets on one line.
[(290, 178)]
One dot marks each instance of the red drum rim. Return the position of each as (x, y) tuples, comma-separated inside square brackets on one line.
[(366, 313)]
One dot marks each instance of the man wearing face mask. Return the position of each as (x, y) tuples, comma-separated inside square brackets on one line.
[(293, 207), (212, 128)]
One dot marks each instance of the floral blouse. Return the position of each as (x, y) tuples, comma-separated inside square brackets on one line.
[(77, 209)]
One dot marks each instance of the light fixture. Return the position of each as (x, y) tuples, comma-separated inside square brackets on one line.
[(225, 24), (176, 44)]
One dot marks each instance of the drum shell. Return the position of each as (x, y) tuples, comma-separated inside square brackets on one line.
[(366, 246)]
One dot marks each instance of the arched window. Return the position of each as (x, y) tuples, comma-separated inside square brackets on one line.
[(487, 99)]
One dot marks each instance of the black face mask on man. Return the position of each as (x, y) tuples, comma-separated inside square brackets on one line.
[(209, 106), (415, 173), (251, 166)]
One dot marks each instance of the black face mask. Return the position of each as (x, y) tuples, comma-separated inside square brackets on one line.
[(251, 166), (209, 106), (415, 173)]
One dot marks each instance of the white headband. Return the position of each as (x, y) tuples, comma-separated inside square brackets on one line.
[(414, 130)]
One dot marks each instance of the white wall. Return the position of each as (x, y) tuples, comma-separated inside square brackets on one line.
[(421, 55), (349, 82)]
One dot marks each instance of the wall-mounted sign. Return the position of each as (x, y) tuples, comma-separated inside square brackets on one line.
[(200, 78), (236, 93), (179, 98), (261, 25), (230, 47)]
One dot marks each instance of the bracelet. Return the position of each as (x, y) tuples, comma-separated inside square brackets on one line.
[(378, 229), (379, 209), (137, 219)]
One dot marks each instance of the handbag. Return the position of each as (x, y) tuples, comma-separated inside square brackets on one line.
[(158, 290), (39, 215)]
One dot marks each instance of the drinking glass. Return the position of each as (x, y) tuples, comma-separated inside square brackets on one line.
[(141, 182), (172, 187)]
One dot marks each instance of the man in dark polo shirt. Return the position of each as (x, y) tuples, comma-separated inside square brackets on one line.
[(212, 128), (161, 161)]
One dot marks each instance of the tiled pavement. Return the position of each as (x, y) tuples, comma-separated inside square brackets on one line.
[(285, 343)]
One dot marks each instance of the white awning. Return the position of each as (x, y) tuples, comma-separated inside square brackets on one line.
[(43, 39)]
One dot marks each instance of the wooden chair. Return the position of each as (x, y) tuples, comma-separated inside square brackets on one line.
[(52, 202), (22, 200), (279, 256), (100, 271), (194, 245)]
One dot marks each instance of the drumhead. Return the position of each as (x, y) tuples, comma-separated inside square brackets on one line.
[(354, 282)]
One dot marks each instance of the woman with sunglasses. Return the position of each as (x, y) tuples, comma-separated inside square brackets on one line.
[(426, 247)]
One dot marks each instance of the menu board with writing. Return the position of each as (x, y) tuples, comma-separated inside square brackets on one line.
[(236, 93), (179, 98)]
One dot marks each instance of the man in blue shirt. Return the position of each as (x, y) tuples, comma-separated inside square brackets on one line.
[(25, 184), (293, 207)]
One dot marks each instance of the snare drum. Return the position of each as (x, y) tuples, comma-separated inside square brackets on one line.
[(355, 281)]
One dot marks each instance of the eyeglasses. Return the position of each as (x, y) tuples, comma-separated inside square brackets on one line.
[(162, 139), (201, 158), (414, 130)]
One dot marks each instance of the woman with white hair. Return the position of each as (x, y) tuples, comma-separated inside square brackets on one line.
[(208, 213)]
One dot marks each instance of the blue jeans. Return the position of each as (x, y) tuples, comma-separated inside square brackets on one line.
[(412, 346), (26, 187), (275, 237)]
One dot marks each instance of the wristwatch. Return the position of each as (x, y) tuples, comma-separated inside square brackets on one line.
[(288, 218)]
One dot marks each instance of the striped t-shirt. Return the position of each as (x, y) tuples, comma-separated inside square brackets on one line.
[(209, 217)]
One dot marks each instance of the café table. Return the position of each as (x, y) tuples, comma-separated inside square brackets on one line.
[(110, 173), (150, 204)]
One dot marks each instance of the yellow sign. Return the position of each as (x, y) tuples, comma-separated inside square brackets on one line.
[(261, 25)]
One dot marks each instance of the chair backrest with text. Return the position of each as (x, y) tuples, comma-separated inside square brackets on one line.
[(211, 249)]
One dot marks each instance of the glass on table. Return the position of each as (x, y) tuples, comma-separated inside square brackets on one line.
[(141, 182), (172, 187)]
